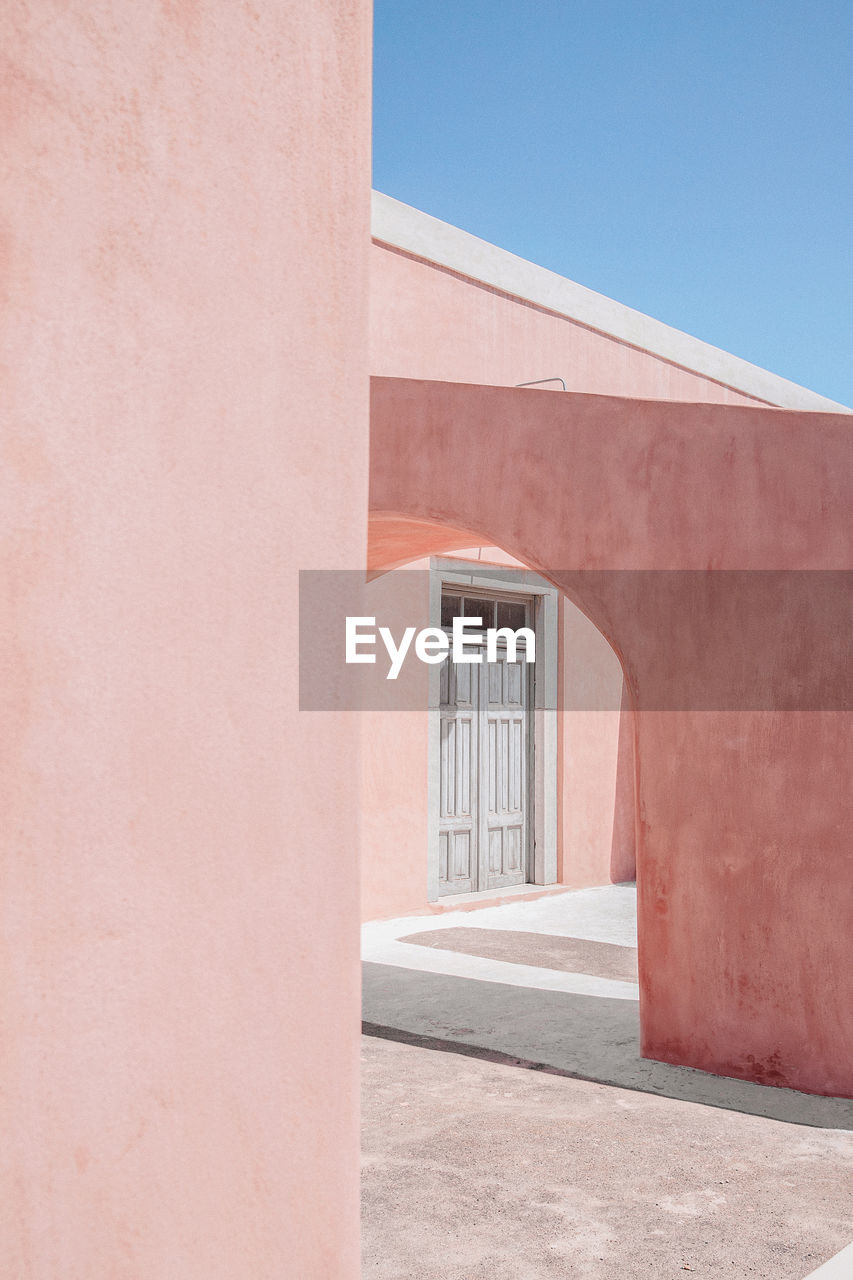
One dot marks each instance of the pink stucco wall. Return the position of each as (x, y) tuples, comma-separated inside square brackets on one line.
[(394, 766), (184, 216), (429, 322), (742, 813), (593, 789)]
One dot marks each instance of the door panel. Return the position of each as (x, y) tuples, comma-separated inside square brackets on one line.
[(483, 802), (506, 733), (458, 872)]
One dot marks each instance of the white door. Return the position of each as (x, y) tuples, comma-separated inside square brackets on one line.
[(484, 723)]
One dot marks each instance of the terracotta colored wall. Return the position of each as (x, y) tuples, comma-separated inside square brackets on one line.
[(743, 859), (185, 225)]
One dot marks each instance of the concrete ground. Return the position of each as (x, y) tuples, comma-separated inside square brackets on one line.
[(478, 1168), (517, 998)]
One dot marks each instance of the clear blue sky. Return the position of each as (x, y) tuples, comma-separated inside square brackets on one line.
[(692, 160)]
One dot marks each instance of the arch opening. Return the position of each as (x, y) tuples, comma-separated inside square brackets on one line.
[(592, 838), (729, 706)]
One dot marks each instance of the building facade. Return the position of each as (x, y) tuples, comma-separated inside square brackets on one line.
[(194, 310)]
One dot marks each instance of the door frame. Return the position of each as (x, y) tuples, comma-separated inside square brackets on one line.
[(541, 859)]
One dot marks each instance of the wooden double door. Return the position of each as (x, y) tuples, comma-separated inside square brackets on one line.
[(485, 760)]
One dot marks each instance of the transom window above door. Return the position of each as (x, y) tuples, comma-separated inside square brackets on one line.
[(493, 611)]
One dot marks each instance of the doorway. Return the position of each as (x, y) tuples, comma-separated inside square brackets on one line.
[(485, 750), (493, 736)]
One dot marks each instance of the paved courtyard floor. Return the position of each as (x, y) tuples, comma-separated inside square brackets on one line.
[(584, 1160)]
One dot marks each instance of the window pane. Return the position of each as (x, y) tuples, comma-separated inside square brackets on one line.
[(477, 607), (451, 607), (512, 614)]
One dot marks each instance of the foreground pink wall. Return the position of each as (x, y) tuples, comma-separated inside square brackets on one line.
[(185, 224), (394, 763), (743, 814)]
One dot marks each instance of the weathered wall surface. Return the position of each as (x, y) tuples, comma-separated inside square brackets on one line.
[(185, 225), (742, 681)]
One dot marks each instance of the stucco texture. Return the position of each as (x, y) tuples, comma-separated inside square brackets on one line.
[(742, 810), (185, 220)]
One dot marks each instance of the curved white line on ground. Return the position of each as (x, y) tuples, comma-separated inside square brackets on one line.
[(455, 964), (603, 914)]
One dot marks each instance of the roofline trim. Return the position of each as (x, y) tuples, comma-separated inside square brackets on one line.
[(402, 227)]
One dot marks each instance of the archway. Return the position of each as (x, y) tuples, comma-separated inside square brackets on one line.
[(583, 759), (698, 539)]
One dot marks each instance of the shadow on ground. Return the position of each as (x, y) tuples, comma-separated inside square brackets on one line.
[(585, 1037)]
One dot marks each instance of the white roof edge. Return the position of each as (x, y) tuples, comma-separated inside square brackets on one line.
[(404, 227)]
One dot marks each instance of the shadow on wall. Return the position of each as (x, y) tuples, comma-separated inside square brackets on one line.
[(623, 849), (562, 1033)]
